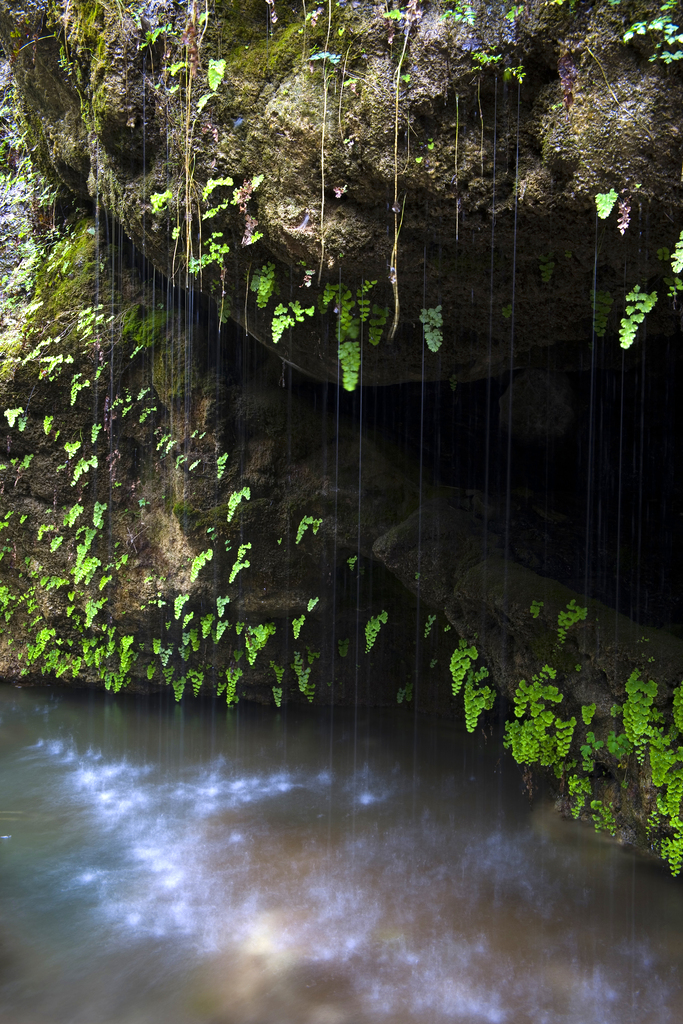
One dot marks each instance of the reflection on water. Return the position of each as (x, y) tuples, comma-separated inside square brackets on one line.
[(253, 867)]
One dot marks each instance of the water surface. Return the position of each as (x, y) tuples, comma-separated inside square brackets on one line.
[(197, 865)]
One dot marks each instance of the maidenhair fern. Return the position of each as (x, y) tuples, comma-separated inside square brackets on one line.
[(461, 659), (83, 466), (604, 203), (98, 514), (279, 672), (602, 304), (540, 736), (372, 628), (256, 638), (349, 357), (546, 264), (302, 674), (351, 314), (637, 305), (603, 817), (241, 563), (285, 317), (196, 678), (235, 499), (13, 415), (432, 322), (220, 465), (263, 283), (297, 624), (587, 712), (233, 676), (569, 617), (579, 788), (477, 699), (638, 710), (307, 521), (405, 693)]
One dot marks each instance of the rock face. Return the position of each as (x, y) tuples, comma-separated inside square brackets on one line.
[(456, 566), (326, 128), (375, 200), (538, 406), (150, 502)]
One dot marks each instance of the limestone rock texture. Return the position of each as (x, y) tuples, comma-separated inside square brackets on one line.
[(133, 448), (537, 406), (455, 562), (490, 135), (369, 200)]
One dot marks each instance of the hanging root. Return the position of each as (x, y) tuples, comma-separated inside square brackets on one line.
[(393, 275), (393, 270), (322, 147)]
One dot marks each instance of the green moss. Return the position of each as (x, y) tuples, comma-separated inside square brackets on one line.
[(169, 369), (144, 328), (547, 650), (64, 283), (182, 510), (277, 54)]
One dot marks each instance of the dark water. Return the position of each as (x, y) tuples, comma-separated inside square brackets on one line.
[(194, 864)]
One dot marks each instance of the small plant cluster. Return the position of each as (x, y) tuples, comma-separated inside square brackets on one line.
[(432, 322), (665, 36), (28, 203), (181, 655), (675, 259), (602, 306), (638, 304), (476, 698), (352, 312), (540, 736), (546, 264), (604, 204)]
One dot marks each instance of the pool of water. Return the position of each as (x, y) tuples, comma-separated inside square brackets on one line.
[(197, 865)]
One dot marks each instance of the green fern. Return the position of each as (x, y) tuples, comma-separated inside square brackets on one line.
[(638, 304)]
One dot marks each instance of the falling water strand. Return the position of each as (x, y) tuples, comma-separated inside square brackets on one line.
[(508, 475), (333, 623), (358, 574), (641, 469), (487, 442), (418, 593), (591, 430)]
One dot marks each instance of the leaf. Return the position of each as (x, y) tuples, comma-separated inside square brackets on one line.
[(432, 321), (160, 200), (12, 415), (604, 202), (215, 73), (199, 562), (333, 58), (235, 499)]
